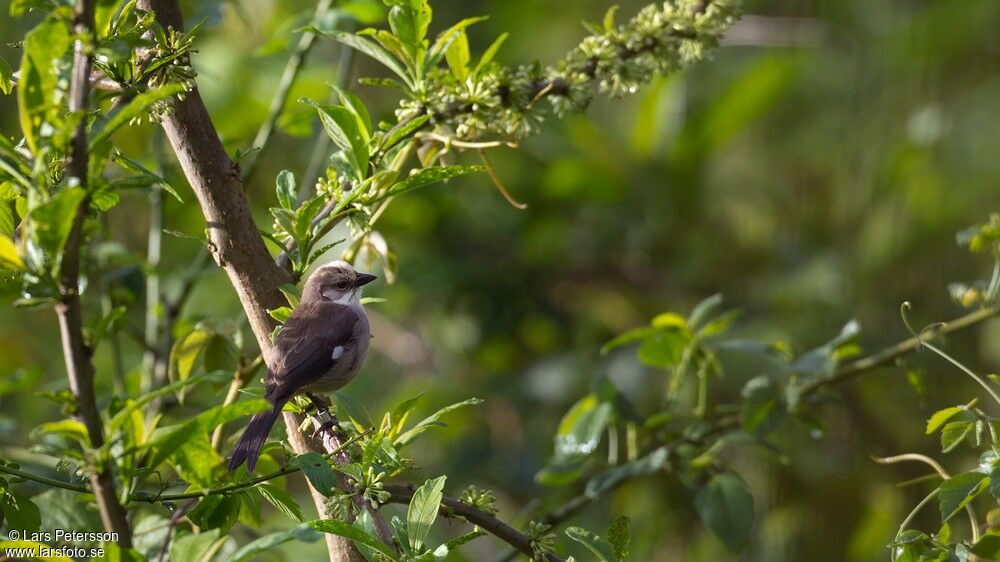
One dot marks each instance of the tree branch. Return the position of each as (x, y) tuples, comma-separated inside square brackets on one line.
[(79, 368), (451, 507), (887, 355)]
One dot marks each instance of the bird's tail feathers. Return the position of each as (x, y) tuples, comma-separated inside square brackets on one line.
[(252, 441)]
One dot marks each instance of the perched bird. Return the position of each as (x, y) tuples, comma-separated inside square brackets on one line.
[(320, 348)]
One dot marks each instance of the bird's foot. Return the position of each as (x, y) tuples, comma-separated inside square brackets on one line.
[(329, 426), (321, 405)]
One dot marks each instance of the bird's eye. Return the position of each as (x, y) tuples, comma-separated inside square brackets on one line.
[(342, 285)]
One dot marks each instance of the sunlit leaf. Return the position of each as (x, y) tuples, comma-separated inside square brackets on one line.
[(423, 510), (427, 176), (138, 107), (431, 421), (43, 45), (281, 500), (9, 256), (201, 547), (956, 492), (287, 190)]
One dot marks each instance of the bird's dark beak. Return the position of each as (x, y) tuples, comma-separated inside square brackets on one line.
[(364, 279)]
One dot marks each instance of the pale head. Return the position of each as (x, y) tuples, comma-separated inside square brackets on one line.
[(336, 282)]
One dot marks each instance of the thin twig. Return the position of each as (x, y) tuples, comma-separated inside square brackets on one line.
[(451, 507), (891, 353), (175, 519)]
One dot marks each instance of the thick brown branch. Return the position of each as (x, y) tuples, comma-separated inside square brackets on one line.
[(79, 368), (451, 507)]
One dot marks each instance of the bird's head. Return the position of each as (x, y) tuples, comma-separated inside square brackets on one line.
[(335, 282)]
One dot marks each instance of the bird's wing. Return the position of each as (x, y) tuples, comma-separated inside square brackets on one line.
[(305, 347)]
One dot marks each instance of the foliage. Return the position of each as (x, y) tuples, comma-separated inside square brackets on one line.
[(687, 431)]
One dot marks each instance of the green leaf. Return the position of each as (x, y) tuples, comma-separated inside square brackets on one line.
[(609, 18), (347, 131), (581, 428), (20, 512), (491, 52), (620, 538), (405, 131), (988, 546), (458, 57), (353, 533), (216, 512), (201, 547), (220, 354), (423, 511), (281, 500), (448, 36), (631, 336), (941, 416), (354, 103), (281, 314), (6, 77), (954, 433), (53, 221), (704, 310), (664, 349), (409, 23), (138, 107), (610, 478), (956, 492), (185, 353), (427, 176), (303, 532), (762, 410), (71, 428), (726, 507), (9, 256), (287, 190), (193, 458), (371, 49), (432, 421), (356, 411), (118, 420), (43, 45), (104, 12), (186, 446), (318, 471), (594, 544)]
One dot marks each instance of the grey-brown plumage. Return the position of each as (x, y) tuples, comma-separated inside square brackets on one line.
[(320, 348)]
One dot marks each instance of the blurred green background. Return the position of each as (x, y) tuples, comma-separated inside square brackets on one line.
[(816, 170)]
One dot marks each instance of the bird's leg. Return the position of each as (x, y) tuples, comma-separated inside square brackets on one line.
[(329, 422)]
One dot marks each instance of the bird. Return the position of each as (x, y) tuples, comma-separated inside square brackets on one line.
[(319, 349)]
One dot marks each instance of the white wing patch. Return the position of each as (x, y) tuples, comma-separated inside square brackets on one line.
[(338, 352)]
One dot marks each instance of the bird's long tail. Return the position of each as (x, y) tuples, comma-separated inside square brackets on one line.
[(249, 446)]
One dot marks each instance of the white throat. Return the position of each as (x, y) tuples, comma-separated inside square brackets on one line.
[(351, 298)]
